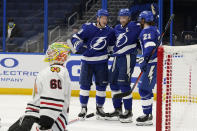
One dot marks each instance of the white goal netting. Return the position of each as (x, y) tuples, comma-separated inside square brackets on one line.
[(177, 88)]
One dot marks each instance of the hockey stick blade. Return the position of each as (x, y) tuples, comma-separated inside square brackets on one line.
[(78, 119), (124, 94), (90, 115)]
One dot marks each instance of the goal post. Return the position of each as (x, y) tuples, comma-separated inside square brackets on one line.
[(177, 88)]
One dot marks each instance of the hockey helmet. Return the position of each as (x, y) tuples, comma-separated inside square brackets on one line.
[(57, 53)]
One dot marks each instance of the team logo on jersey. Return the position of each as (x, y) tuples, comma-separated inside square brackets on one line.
[(55, 69), (121, 40), (98, 43)]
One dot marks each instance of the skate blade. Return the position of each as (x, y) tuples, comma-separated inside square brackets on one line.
[(100, 117), (82, 118), (126, 120), (148, 123), (112, 118)]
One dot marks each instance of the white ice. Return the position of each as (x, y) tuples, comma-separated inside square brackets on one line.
[(13, 106)]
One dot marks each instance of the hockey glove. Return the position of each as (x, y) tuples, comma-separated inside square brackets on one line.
[(80, 47), (143, 63)]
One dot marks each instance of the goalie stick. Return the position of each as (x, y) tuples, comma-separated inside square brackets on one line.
[(120, 95)]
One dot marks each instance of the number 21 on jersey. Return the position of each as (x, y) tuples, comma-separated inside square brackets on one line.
[(146, 36)]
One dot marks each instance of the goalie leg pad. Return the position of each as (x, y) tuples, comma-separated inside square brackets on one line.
[(23, 124)]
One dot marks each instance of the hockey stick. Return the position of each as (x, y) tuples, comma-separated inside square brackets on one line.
[(78, 119), (120, 95)]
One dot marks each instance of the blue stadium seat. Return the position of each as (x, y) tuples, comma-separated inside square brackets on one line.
[(25, 13), (23, 6), (19, 40), (29, 34), (51, 20), (53, 6), (11, 6), (59, 14), (12, 13), (25, 27), (19, 20), (35, 21), (36, 6), (38, 27)]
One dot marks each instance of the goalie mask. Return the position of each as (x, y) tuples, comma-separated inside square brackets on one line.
[(57, 53)]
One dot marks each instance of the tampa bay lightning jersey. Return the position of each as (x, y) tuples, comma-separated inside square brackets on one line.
[(97, 41), (126, 39), (149, 39)]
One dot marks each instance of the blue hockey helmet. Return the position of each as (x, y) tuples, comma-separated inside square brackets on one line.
[(124, 12), (102, 12), (146, 15)]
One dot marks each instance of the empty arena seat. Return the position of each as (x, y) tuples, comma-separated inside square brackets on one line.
[(19, 40), (25, 27), (38, 27), (12, 13), (29, 34)]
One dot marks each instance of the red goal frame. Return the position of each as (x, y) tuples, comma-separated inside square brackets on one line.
[(159, 113), (160, 55)]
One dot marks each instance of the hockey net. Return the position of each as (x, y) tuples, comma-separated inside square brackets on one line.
[(177, 88)]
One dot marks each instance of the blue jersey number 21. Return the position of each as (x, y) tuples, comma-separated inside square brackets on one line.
[(147, 36)]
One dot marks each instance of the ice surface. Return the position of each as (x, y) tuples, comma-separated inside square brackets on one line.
[(13, 106)]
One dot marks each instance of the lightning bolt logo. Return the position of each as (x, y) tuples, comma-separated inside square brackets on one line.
[(97, 43), (120, 37), (150, 75)]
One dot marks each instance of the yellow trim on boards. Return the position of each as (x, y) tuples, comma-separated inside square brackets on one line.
[(15, 91), (74, 93)]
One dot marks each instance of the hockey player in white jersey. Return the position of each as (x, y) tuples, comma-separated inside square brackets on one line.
[(48, 111)]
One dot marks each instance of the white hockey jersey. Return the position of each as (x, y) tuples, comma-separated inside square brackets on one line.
[(51, 96)]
